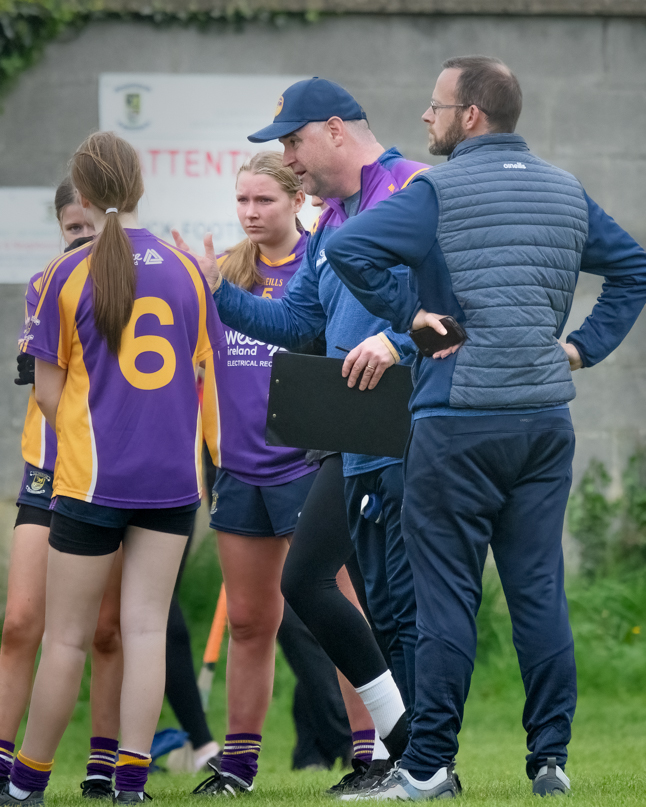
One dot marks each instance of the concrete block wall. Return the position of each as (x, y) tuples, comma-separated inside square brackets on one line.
[(584, 84)]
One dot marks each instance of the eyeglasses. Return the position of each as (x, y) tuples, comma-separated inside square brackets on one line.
[(435, 106)]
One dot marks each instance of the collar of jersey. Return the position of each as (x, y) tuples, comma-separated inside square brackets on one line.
[(281, 262)]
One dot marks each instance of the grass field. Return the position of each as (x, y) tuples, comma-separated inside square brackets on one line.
[(608, 752)]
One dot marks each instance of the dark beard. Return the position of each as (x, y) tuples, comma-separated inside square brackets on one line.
[(453, 136)]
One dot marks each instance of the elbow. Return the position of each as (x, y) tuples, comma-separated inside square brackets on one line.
[(41, 399), (335, 258)]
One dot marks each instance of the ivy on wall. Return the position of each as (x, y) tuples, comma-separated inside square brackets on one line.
[(26, 26)]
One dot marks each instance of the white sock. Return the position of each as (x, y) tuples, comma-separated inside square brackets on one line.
[(379, 751), (382, 699), (427, 784), (17, 793), (204, 754)]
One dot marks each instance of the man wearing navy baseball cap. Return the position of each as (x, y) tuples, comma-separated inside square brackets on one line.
[(329, 145), (314, 99)]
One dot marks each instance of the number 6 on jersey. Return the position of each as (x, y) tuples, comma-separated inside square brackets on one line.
[(133, 346)]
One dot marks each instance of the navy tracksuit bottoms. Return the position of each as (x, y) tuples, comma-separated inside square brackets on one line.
[(470, 482)]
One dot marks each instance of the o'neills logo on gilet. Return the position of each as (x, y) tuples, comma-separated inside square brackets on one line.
[(279, 106)]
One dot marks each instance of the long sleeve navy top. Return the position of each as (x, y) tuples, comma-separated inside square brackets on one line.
[(403, 230)]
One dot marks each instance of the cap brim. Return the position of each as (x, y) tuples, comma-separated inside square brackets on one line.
[(276, 130)]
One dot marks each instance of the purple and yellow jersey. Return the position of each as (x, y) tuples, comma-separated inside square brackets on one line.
[(38, 438), (242, 372), (129, 427)]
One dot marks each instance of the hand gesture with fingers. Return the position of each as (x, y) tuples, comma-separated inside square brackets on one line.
[(371, 358), (207, 262)]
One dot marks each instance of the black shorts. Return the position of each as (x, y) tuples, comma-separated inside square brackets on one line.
[(82, 528), (28, 514)]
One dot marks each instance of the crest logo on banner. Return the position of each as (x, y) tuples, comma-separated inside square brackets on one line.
[(134, 105)]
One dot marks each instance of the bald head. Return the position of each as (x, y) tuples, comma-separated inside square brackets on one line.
[(488, 83)]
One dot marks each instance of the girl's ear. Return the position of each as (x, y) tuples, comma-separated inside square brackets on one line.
[(85, 203), (298, 201)]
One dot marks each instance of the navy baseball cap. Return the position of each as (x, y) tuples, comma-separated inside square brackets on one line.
[(315, 99)]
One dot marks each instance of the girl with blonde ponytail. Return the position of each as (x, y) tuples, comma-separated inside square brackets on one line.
[(269, 197), (119, 329), (259, 489)]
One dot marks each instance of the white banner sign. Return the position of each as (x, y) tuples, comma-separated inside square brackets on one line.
[(191, 135), (29, 233)]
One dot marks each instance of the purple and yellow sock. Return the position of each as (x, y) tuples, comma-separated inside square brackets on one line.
[(132, 771), (240, 756), (6, 757), (363, 744), (103, 758), (29, 775)]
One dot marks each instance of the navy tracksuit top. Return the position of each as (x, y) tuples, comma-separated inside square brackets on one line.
[(495, 238)]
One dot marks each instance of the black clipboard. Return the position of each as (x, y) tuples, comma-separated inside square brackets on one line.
[(311, 406)]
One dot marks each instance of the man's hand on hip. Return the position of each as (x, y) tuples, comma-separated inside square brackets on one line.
[(207, 262), (371, 358), (423, 319), (573, 355)]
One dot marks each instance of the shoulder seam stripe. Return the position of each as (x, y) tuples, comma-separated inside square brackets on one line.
[(45, 288), (413, 175)]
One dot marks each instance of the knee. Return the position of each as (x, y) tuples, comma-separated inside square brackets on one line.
[(249, 624), (22, 632), (107, 639), (67, 640), (107, 636)]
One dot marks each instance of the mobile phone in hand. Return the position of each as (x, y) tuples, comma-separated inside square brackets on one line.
[(429, 341)]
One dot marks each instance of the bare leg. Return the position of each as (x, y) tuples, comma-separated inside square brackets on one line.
[(107, 658), (252, 569), (23, 624), (358, 716), (150, 564), (75, 586)]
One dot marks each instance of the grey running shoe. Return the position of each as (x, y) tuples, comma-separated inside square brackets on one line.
[(376, 773), (130, 797), (399, 785), (222, 784), (359, 769), (97, 789), (551, 780), (36, 797)]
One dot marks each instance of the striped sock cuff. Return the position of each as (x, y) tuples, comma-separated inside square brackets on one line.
[(236, 744), (133, 758), (6, 757), (363, 743), (240, 756), (29, 775), (103, 758), (43, 767), (132, 770)]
